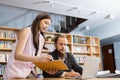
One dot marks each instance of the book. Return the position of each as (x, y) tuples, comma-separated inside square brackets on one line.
[(57, 64)]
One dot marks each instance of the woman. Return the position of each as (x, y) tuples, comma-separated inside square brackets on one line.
[(28, 49)]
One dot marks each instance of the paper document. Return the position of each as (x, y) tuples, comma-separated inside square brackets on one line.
[(109, 75), (57, 64)]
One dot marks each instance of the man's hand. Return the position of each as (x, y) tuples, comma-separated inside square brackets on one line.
[(72, 74), (51, 70)]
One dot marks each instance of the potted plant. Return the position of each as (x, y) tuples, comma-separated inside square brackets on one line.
[(49, 38)]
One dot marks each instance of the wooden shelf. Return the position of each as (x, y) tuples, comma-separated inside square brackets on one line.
[(81, 53), (5, 49), (81, 63), (50, 42), (1, 76), (9, 28), (3, 62), (77, 44), (46, 51), (7, 39), (96, 53)]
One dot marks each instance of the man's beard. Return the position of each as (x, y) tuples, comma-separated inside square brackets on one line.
[(62, 55)]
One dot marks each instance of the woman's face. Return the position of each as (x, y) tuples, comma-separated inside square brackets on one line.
[(44, 23)]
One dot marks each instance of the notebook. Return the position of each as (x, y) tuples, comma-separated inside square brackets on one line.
[(90, 68), (57, 64)]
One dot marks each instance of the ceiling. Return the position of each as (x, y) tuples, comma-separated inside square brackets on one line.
[(8, 13), (97, 12)]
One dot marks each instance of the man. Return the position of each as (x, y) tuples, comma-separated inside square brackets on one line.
[(60, 54)]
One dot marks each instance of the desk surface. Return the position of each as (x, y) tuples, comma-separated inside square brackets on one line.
[(67, 79)]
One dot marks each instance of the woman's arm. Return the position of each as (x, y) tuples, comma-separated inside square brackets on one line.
[(22, 40)]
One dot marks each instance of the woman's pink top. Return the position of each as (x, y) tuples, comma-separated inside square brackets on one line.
[(20, 69)]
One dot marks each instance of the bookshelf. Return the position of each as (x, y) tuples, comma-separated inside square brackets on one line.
[(95, 44), (7, 39), (80, 46)]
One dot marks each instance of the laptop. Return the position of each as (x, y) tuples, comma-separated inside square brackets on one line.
[(90, 68)]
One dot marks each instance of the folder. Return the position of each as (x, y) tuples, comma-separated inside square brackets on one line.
[(57, 64)]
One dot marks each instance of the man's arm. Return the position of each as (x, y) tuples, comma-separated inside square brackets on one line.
[(75, 66), (57, 74)]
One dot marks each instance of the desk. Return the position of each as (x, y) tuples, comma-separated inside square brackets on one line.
[(105, 79), (67, 79)]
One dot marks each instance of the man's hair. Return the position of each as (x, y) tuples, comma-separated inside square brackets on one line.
[(56, 38)]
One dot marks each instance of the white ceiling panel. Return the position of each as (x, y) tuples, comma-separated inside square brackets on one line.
[(93, 10)]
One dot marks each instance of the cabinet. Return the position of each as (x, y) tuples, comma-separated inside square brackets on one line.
[(7, 39)]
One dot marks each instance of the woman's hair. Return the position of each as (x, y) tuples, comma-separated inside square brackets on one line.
[(36, 29)]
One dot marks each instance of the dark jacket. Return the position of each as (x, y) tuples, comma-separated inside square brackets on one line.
[(69, 61)]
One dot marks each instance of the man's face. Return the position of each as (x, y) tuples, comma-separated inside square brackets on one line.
[(61, 44)]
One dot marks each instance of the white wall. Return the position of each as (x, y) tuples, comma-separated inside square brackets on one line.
[(18, 18), (107, 30), (117, 54)]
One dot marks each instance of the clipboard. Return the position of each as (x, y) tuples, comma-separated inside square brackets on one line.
[(57, 64)]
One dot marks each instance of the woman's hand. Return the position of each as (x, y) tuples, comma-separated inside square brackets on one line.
[(44, 57), (51, 70)]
